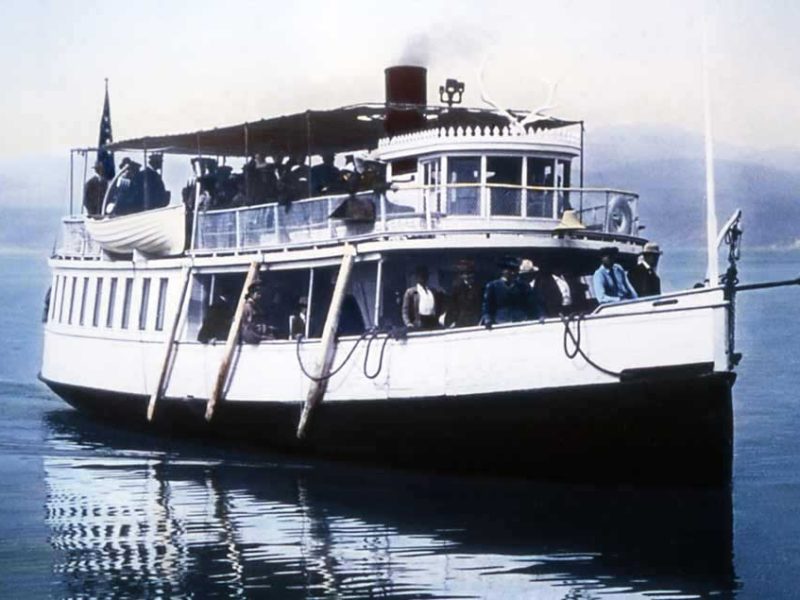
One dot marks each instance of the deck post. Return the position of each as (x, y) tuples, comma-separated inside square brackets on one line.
[(316, 392), (170, 345), (230, 344)]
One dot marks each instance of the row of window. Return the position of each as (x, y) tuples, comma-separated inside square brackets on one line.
[(92, 301)]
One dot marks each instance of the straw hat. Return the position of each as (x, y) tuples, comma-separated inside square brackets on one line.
[(527, 266), (651, 248)]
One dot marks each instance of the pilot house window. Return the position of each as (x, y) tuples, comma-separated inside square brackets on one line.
[(463, 185), (504, 178)]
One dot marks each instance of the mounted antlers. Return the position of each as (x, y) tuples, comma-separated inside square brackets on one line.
[(518, 125)]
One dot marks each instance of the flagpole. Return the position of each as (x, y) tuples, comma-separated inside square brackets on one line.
[(712, 271)]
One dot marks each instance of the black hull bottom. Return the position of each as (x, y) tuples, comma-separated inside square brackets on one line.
[(665, 430)]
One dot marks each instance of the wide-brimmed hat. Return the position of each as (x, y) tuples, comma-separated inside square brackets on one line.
[(609, 251), (527, 266), (651, 248)]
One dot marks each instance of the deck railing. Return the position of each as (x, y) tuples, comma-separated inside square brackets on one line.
[(412, 209), (75, 241), (409, 209)]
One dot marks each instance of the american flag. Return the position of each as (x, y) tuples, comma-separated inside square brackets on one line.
[(103, 155)]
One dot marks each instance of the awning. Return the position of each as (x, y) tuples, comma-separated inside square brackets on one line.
[(357, 127)]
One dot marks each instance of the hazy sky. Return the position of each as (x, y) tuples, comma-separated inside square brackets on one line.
[(178, 66)]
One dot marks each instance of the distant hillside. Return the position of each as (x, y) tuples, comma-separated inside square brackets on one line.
[(672, 204), (667, 169)]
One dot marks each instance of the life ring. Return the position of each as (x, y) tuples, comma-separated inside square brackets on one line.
[(619, 218)]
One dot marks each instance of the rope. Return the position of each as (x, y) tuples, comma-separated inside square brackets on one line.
[(380, 357), (334, 371), (372, 334), (576, 342)]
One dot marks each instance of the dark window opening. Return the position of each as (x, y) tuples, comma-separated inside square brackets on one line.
[(162, 301), (145, 302), (98, 300)]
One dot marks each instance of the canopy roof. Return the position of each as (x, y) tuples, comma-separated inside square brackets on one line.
[(357, 127)]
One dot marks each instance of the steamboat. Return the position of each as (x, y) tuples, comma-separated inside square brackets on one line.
[(144, 324)]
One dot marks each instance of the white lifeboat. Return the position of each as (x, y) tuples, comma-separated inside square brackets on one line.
[(157, 232)]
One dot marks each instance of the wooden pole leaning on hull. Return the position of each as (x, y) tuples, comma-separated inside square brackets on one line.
[(316, 391), (170, 345), (230, 344)]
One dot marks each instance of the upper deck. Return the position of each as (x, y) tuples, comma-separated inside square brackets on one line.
[(448, 175)]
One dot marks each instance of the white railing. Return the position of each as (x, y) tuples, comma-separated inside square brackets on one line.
[(74, 241), (451, 207), (412, 209)]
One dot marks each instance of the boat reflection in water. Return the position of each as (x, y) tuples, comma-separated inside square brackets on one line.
[(136, 516)]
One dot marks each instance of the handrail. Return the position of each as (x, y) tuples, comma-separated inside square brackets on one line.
[(404, 210)]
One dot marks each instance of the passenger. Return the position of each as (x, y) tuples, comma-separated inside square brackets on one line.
[(297, 320), (610, 281), (129, 192), (254, 323), (155, 194), (262, 181), (531, 304), (239, 198), (555, 292), (94, 192), (420, 306), (324, 177), (643, 276), (292, 180), (217, 322), (504, 298), (464, 306)]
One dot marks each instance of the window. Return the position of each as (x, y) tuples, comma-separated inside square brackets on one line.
[(112, 297), (84, 294), (540, 174), (162, 301), (71, 300), (54, 298), (463, 179), (61, 299), (98, 300), (145, 302), (504, 178), (126, 302), (404, 166)]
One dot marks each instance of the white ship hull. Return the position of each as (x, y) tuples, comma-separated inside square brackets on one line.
[(507, 399)]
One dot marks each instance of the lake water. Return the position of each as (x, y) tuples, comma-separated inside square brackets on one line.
[(90, 511)]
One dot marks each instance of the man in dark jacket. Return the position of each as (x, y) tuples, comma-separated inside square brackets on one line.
[(505, 300), (464, 304), (94, 192), (643, 276)]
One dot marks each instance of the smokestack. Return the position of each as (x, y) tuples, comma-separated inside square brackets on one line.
[(405, 85)]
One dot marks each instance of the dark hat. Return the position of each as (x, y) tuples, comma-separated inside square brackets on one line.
[(509, 262), (156, 160), (609, 251), (465, 266), (131, 164)]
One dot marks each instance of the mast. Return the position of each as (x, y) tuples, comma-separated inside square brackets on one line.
[(712, 271)]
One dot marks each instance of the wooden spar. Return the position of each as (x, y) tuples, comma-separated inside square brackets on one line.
[(169, 346), (316, 391), (230, 344)]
